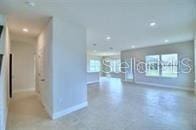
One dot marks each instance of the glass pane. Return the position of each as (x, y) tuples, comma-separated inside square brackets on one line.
[(95, 65), (169, 65), (152, 65)]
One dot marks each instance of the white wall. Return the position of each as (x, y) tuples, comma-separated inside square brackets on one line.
[(69, 67), (4, 77), (93, 77), (184, 81), (23, 53)]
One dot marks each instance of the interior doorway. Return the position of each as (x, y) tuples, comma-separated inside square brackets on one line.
[(22, 65), (10, 76)]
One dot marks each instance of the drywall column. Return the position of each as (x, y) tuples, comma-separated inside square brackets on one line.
[(5, 50), (2, 97), (69, 67), (195, 62), (61, 67), (43, 67)]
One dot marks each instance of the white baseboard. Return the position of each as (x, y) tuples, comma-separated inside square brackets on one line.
[(46, 107), (92, 82), (48, 110), (69, 110), (127, 81), (165, 86), (24, 90)]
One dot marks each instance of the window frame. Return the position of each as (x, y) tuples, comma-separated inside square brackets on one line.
[(159, 73), (160, 66), (177, 65), (96, 67)]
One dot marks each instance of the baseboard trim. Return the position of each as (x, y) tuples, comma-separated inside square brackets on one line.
[(92, 82), (69, 110), (48, 110), (127, 81), (24, 90), (165, 86)]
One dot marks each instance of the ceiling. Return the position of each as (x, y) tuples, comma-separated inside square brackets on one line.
[(125, 21)]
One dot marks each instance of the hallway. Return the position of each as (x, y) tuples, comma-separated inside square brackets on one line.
[(25, 109), (112, 106)]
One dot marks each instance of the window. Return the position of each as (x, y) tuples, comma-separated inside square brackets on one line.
[(95, 65), (165, 65), (115, 65), (152, 65), (169, 65)]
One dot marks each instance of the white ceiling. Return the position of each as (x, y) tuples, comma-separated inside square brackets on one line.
[(126, 21)]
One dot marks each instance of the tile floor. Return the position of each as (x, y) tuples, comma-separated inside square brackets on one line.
[(112, 106)]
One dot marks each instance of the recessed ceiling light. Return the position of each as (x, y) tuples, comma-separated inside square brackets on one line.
[(166, 41), (152, 24), (30, 3), (133, 46), (94, 51), (25, 30), (108, 38)]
